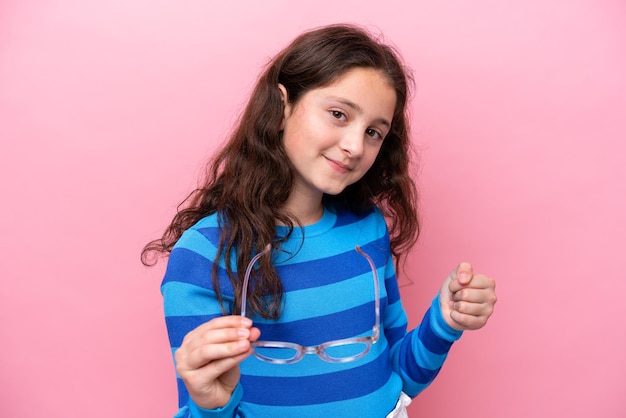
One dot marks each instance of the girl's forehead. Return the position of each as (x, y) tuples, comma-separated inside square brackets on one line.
[(363, 89), (356, 74)]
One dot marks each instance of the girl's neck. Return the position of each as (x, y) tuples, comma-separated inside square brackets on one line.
[(307, 210)]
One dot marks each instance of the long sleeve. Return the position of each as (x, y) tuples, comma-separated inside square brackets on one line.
[(191, 410), (418, 355), (189, 301)]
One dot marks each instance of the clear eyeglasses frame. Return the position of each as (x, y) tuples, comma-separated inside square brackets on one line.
[(325, 351)]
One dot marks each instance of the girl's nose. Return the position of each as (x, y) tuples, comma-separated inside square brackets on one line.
[(352, 142)]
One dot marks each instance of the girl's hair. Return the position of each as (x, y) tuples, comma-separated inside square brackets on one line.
[(251, 177)]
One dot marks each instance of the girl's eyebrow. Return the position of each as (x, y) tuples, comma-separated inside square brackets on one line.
[(359, 109)]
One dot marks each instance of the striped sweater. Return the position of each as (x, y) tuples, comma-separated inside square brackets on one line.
[(329, 295)]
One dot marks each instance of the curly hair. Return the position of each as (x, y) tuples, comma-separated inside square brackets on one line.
[(250, 178)]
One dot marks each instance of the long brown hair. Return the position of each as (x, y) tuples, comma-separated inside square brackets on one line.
[(250, 178)]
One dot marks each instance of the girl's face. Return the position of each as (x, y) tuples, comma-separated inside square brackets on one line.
[(332, 135)]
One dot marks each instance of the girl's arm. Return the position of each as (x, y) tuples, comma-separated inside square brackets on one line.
[(207, 346), (417, 355), (464, 302)]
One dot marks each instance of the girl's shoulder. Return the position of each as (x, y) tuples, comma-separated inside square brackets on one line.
[(206, 229), (210, 221), (191, 260)]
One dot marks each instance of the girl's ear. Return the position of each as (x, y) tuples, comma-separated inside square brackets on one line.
[(284, 96)]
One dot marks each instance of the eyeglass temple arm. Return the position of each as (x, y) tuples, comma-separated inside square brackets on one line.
[(244, 290), (268, 247), (376, 291)]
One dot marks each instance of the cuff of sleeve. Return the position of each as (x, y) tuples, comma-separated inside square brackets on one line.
[(439, 325), (227, 410)]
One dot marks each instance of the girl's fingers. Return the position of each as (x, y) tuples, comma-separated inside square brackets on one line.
[(213, 354), (473, 309), (471, 302), (468, 322), (478, 281), (203, 354), (223, 322), (474, 295), (218, 367), (464, 273), (220, 338), (218, 330)]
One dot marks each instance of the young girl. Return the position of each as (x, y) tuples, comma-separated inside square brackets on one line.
[(280, 294)]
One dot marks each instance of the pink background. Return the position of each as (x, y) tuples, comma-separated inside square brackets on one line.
[(108, 110)]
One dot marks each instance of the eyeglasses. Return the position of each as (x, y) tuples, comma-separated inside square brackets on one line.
[(337, 351)]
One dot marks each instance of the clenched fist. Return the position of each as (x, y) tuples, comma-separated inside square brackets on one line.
[(467, 299)]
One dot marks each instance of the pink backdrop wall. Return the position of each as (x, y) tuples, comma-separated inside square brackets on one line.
[(108, 109)]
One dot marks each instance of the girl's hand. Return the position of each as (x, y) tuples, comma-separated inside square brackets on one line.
[(467, 299), (209, 356)]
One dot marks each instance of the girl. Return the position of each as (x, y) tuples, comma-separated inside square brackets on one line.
[(295, 230)]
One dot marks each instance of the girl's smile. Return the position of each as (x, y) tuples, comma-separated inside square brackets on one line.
[(341, 168)]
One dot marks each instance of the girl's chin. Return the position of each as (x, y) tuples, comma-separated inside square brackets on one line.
[(333, 191)]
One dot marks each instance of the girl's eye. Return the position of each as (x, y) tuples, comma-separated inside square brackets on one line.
[(338, 115), (373, 133)]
